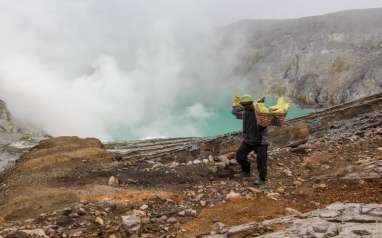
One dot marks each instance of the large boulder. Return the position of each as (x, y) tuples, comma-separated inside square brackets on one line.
[(292, 135)]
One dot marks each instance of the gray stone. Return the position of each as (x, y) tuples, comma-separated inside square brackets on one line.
[(287, 172), (328, 214), (218, 226), (294, 212), (241, 228), (172, 220), (232, 195), (211, 159), (321, 228), (113, 181), (224, 159), (215, 236), (182, 213), (132, 221), (197, 161), (99, 221), (35, 232)]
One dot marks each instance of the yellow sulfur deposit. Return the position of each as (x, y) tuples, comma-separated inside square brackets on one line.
[(236, 101), (260, 107), (281, 107)]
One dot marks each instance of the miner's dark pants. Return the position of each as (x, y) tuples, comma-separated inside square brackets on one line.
[(261, 158)]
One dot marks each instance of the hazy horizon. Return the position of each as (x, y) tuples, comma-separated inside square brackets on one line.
[(276, 9)]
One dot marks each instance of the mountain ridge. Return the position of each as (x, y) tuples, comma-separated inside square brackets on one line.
[(317, 61)]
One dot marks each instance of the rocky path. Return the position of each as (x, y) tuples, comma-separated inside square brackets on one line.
[(72, 187), (300, 181)]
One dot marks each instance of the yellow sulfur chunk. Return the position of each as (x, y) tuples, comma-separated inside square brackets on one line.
[(260, 107), (236, 101), (281, 106)]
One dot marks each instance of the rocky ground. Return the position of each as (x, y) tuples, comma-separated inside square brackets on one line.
[(324, 181)]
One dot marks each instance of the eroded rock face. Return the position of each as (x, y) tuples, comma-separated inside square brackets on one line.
[(320, 60), (6, 123)]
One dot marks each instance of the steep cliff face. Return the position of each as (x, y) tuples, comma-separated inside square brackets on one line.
[(321, 60), (6, 123)]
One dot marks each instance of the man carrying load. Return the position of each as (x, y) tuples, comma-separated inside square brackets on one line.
[(254, 138)]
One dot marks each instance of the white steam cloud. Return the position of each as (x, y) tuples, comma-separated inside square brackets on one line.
[(112, 69)]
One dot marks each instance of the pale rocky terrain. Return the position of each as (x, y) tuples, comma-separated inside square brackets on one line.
[(325, 173), (335, 220), (317, 61)]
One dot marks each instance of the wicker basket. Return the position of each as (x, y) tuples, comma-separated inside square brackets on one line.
[(270, 119)]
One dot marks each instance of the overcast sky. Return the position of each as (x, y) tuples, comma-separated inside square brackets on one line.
[(227, 11), (213, 12)]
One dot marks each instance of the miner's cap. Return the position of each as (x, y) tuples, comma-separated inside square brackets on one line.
[(246, 99)]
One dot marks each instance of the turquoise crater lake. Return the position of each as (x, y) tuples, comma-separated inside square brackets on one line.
[(218, 120), (224, 121)]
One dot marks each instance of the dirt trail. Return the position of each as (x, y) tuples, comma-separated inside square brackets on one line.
[(236, 211)]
